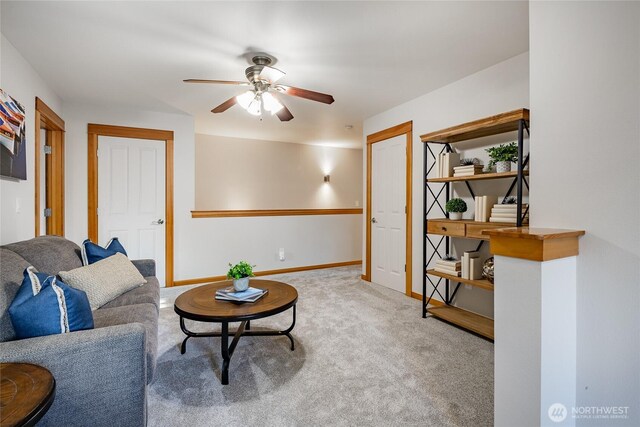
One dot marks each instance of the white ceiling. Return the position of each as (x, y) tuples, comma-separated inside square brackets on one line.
[(371, 56)]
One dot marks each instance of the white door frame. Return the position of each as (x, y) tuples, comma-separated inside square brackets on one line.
[(94, 131), (401, 129)]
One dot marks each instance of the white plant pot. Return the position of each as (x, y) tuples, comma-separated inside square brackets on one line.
[(456, 216), (241, 284), (503, 167)]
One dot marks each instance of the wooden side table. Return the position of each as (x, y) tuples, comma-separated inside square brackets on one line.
[(26, 393)]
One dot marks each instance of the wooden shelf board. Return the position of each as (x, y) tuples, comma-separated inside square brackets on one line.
[(465, 319), (494, 125), (483, 284), (479, 177)]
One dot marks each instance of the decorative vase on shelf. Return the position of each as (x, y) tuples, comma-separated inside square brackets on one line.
[(241, 284), (487, 269), (503, 167), (456, 216)]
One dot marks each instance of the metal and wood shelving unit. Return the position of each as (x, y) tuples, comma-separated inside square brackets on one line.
[(439, 231)]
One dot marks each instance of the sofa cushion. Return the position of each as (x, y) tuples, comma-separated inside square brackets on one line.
[(146, 267), (147, 293), (92, 252), (12, 266), (46, 306), (48, 254), (105, 280), (146, 314)]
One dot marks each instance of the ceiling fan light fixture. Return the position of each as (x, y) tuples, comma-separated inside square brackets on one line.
[(271, 104), (245, 99), (255, 107), (261, 80)]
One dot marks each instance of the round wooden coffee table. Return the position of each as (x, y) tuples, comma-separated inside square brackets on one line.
[(200, 304), (26, 393)]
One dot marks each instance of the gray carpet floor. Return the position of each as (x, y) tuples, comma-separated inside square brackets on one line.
[(364, 356)]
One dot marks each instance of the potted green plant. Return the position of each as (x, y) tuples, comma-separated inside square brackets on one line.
[(455, 208), (502, 156), (240, 273)]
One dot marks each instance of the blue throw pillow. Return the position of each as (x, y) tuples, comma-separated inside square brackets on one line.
[(93, 253), (45, 305)]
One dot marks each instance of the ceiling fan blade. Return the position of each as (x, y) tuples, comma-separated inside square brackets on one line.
[(307, 94), (225, 105), (220, 82), (271, 74), (284, 114)]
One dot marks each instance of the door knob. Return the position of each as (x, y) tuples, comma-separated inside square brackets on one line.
[(158, 222), (373, 220)]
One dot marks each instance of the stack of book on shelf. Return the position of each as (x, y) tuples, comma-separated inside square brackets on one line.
[(445, 162), (467, 170), (507, 213), (250, 295), (446, 266), (471, 265), (483, 207)]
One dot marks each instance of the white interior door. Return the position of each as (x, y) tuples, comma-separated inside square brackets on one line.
[(388, 212), (131, 197)]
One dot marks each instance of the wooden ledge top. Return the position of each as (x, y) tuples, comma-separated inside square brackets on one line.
[(534, 233), (535, 244)]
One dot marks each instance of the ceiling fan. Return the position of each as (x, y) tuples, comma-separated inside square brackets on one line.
[(264, 93)]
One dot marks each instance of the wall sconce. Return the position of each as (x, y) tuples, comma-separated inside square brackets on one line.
[(327, 178)]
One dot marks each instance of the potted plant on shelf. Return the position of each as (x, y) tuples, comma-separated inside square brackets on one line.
[(240, 273), (502, 156), (455, 208)]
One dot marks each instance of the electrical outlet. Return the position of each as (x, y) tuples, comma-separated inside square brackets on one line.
[(468, 287), (357, 203), (18, 207), (281, 254)]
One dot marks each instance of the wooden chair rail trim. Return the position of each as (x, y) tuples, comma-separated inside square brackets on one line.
[(274, 212), (268, 272)]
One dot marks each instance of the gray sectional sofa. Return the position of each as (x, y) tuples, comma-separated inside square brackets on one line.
[(101, 374)]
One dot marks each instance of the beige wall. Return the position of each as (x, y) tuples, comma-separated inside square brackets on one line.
[(235, 173)]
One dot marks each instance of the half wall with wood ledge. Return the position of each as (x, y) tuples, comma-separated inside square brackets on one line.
[(535, 323)]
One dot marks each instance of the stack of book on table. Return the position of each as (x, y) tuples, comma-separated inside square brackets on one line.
[(471, 265), (468, 170), (483, 207), (507, 213), (451, 267), (250, 295), (445, 163)]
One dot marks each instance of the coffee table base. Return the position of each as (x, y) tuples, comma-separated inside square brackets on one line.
[(244, 330)]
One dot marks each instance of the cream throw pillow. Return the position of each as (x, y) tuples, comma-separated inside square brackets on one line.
[(105, 280)]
